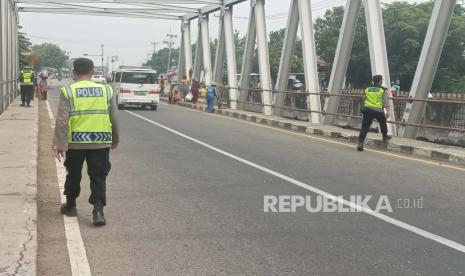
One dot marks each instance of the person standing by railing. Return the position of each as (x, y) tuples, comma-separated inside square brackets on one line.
[(375, 106), (183, 88), (211, 95), (195, 90)]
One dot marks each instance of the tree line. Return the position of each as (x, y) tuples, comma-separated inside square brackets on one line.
[(40, 55)]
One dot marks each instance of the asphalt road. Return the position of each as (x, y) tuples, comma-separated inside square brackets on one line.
[(177, 207)]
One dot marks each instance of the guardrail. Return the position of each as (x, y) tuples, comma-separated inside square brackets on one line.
[(7, 98), (350, 105)]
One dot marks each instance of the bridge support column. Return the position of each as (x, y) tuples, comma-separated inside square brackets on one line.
[(16, 49), (187, 48), (2, 54), (310, 62), (220, 51), (198, 60), (207, 62), (427, 66), (286, 55), (247, 59), (181, 59), (378, 52), (342, 57), (230, 56), (263, 56), (9, 56)]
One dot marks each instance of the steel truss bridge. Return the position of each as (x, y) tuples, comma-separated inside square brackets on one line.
[(300, 14)]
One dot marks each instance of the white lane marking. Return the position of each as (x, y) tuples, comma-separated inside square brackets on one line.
[(326, 140), (76, 249), (393, 221)]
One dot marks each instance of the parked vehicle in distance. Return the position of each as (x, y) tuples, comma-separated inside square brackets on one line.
[(136, 86), (99, 78)]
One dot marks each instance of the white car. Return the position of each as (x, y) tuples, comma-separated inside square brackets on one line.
[(99, 79), (136, 86)]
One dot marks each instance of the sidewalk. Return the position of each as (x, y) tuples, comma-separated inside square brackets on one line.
[(437, 152), (18, 178)]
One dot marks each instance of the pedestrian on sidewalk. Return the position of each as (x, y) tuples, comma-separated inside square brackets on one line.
[(375, 106), (211, 95), (175, 97), (195, 90), (183, 88), (85, 130), (44, 85), (162, 85), (26, 80), (203, 91)]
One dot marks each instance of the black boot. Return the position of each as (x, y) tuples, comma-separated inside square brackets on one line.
[(386, 138), (360, 145), (99, 217), (69, 208)]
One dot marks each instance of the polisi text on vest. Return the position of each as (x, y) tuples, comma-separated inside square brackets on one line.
[(89, 92)]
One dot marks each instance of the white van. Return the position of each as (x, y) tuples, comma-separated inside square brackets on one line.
[(137, 86)]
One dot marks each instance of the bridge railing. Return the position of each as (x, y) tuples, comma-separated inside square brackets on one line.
[(443, 119), (8, 92)]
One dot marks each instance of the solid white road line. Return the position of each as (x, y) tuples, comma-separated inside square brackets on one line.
[(449, 243), (76, 249)]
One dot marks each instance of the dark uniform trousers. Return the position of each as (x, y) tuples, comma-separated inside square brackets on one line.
[(368, 116), (98, 167), (27, 93)]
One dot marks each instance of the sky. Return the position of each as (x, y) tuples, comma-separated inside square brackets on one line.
[(131, 38)]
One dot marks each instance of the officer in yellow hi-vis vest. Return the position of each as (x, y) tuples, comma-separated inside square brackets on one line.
[(26, 80), (375, 106), (86, 129)]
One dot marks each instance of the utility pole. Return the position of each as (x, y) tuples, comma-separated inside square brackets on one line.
[(170, 44), (103, 71), (155, 46)]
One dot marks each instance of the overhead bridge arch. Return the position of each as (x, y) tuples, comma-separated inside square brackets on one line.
[(300, 13)]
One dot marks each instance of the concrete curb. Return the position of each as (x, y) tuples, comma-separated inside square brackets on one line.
[(431, 151)]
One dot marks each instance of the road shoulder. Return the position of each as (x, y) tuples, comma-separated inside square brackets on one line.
[(420, 149), (52, 258)]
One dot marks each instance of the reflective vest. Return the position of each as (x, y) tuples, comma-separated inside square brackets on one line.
[(89, 116), (27, 76), (374, 97)]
